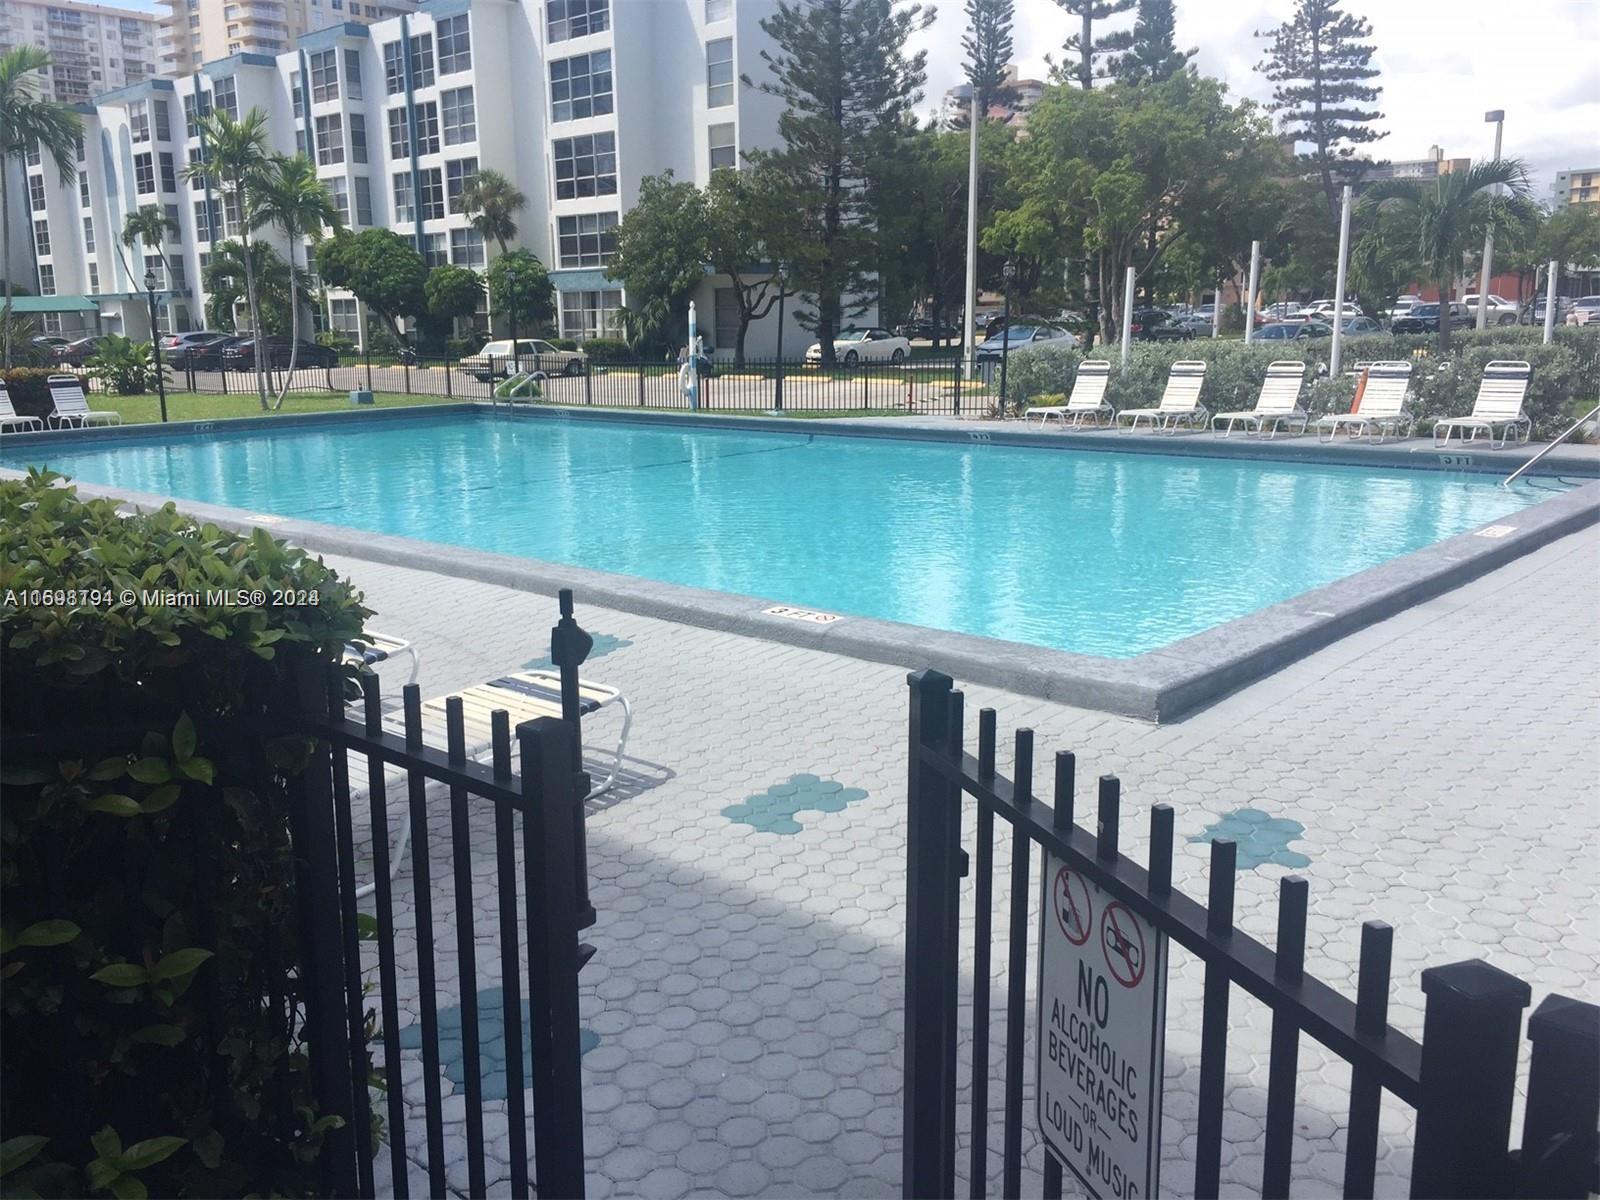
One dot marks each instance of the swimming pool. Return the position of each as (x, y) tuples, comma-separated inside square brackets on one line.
[(1097, 552)]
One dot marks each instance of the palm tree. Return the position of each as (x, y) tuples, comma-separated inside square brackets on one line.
[(234, 157), (297, 202), (1441, 221), (28, 118), (150, 226), (223, 281), (492, 202)]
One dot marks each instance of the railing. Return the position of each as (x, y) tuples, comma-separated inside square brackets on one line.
[(1460, 1078), (1556, 441)]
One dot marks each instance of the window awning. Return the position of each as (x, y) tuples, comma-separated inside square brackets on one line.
[(53, 304)]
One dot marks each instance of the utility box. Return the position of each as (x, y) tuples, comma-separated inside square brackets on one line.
[(361, 397)]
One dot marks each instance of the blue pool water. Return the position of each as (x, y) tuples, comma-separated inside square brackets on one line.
[(1110, 554)]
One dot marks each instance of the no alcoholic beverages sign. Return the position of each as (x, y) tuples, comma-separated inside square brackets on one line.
[(1102, 1025)]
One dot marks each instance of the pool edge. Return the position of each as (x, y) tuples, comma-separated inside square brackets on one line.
[(1160, 685)]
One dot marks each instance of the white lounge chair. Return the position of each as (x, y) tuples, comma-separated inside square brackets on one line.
[(1088, 399), (10, 418), (373, 648), (1180, 401), (1498, 407), (1383, 406), (72, 406), (525, 696), (1278, 403)]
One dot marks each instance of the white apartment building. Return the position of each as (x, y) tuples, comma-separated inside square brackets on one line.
[(575, 100), (93, 48), (198, 31)]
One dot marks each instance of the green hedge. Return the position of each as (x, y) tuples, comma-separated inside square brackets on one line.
[(1565, 373), (608, 350), (29, 388), (147, 910)]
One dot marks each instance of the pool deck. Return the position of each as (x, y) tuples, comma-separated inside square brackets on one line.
[(747, 988)]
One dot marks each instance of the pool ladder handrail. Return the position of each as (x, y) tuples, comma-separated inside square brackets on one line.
[(1566, 433)]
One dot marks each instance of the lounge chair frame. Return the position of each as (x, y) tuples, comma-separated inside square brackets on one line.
[(65, 390), (10, 418), (1277, 404), (1180, 402), (1501, 394), (1087, 402), (1384, 407)]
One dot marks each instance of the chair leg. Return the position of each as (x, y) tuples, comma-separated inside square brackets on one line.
[(616, 758)]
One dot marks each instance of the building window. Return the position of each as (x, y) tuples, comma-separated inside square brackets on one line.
[(163, 121), (202, 221), (459, 175), (576, 18), (580, 86), (78, 141), (586, 166), (422, 60), (47, 280), (428, 128), (169, 174), (144, 174), (719, 72), (34, 156), (587, 315), (83, 189), (155, 265), (324, 66), (195, 107), (718, 10), (460, 117), (344, 316), (139, 121), (435, 253), (172, 216), (432, 194), (36, 191), (339, 192), (403, 210), (352, 74), (297, 102), (466, 247), (224, 95), (94, 279), (88, 235), (724, 151), (180, 282), (588, 240), (394, 69), (358, 138), (363, 201), (41, 238), (330, 140), (455, 45)]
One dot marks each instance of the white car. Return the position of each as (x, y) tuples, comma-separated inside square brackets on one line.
[(494, 360), (1585, 311), (864, 344), (1501, 312), (1017, 338), (1323, 310), (1402, 305)]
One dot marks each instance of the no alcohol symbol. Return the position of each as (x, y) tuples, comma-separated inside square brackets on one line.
[(1070, 898)]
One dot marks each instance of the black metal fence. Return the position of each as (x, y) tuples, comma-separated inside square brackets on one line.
[(1460, 1078), (936, 384), (534, 787)]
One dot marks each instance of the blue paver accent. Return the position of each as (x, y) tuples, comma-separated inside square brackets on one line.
[(774, 810), (491, 1043), (604, 644), (1260, 838)]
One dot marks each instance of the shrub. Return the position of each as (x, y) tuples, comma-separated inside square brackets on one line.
[(29, 389), (125, 367), (152, 966), (607, 350), (563, 343), (335, 340)]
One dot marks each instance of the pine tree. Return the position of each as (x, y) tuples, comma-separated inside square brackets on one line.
[(1153, 55), (847, 83), (988, 46), (1321, 61), (1084, 46)]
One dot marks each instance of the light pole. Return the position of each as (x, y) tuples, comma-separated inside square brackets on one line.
[(969, 304), (1008, 273), (155, 342), (1497, 118), (1336, 353), (777, 386), (511, 304)]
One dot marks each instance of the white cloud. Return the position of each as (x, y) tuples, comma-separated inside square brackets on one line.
[(1443, 63)]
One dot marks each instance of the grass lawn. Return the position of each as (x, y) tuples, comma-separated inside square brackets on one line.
[(206, 406)]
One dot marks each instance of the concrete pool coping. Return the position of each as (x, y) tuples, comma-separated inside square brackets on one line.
[(1159, 685)]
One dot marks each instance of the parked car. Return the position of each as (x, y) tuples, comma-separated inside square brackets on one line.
[(1403, 305), (863, 344), (1501, 311), (1153, 325), (1289, 331), (76, 353), (177, 347), (46, 343), (1585, 310), (926, 329), (533, 354), (1361, 326), (1281, 311), (1322, 310), (240, 355), (208, 356), (1194, 323), (1424, 318), (1017, 338), (1533, 312)]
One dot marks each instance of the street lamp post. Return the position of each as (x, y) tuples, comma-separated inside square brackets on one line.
[(155, 342), (777, 386), (1008, 273), (511, 303), (1497, 118)]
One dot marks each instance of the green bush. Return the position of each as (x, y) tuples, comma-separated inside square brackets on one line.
[(29, 388), (608, 350), (126, 367), (563, 343), (151, 964), (333, 339)]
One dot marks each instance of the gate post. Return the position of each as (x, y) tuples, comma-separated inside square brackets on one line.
[(933, 834), (1558, 1131), (569, 646), (1470, 1038)]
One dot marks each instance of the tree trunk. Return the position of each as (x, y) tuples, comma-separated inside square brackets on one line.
[(294, 330), (255, 310), (5, 251), (1444, 317), (738, 341), (1086, 65)]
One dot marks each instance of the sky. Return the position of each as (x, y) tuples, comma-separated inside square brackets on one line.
[(1443, 64)]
